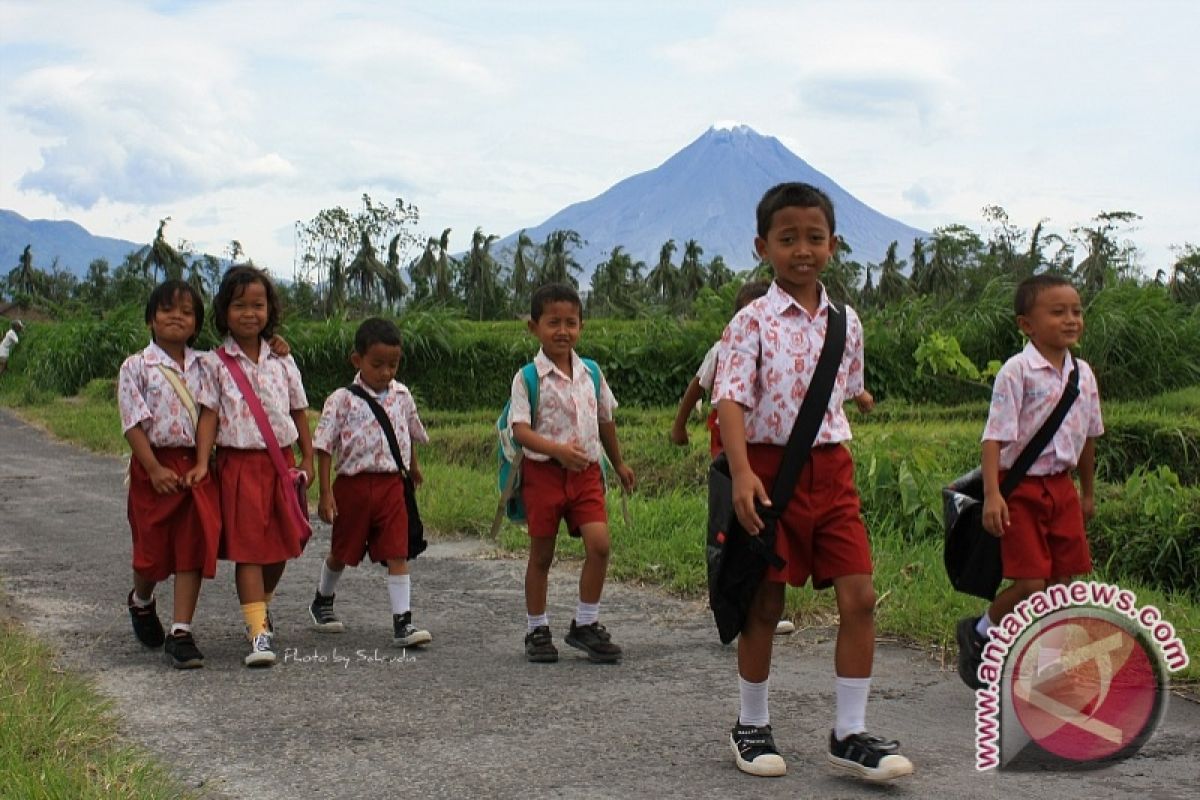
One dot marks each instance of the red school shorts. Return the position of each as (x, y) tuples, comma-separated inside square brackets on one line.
[(821, 533), (257, 527), (551, 493), (1045, 537), (371, 518), (714, 434), (177, 532)]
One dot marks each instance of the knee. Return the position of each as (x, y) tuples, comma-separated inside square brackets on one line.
[(767, 607), (857, 603), (540, 561)]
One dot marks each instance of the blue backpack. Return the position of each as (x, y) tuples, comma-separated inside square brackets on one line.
[(508, 450)]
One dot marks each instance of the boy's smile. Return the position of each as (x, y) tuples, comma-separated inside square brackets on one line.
[(798, 247), (378, 365), (1055, 322), (558, 330), (174, 325)]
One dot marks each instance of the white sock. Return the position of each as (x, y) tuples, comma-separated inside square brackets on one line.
[(328, 583), (754, 703), (400, 590), (984, 625), (586, 613), (851, 706), (139, 602), (537, 621), (181, 627)]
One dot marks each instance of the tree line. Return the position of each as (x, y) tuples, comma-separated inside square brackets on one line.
[(339, 270)]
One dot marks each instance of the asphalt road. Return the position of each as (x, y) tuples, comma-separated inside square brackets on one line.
[(349, 716)]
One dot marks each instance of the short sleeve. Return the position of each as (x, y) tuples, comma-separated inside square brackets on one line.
[(416, 429), (297, 399), (1092, 398), (131, 388), (327, 436), (708, 368), (210, 381), (607, 403), (518, 399), (855, 380), (1003, 414), (737, 361)]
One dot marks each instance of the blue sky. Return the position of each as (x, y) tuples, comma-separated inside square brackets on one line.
[(239, 118)]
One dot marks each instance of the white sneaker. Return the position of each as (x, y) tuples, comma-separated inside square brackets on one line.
[(785, 627), (261, 654)]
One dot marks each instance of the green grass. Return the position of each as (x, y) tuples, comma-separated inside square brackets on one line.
[(58, 738)]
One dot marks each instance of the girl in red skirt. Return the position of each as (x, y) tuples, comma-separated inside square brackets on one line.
[(173, 509), (258, 532)]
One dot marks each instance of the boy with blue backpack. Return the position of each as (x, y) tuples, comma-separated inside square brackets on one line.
[(565, 427)]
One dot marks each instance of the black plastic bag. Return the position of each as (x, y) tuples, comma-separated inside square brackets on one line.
[(971, 554)]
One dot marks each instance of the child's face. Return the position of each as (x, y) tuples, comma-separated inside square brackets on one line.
[(175, 324), (798, 246), (1056, 320), (558, 328), (248, 312), (378, 365)]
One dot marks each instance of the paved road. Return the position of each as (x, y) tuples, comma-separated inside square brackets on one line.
[(345, 717)]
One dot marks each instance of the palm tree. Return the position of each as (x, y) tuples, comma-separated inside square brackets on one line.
[(892, 283), (558, 262), (478, 277), (164, 257), (394, 287), (443, 270), (662, 277), (719, 273), (691, 271), (366, 272)]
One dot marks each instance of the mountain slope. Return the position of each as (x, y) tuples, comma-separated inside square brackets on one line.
[(707, 192), (74, 247)]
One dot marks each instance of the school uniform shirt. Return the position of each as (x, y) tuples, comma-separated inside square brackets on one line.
[(768, 354), (349, 432), (276, 381), (567, 410), (145, 397), (7, 344), (708, 368), (1026, 390)]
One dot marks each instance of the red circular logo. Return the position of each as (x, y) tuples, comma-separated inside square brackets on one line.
[(1085, 688)]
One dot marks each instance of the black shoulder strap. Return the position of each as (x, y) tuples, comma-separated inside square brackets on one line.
[(384, 422), (1037, 444), (812, 409)]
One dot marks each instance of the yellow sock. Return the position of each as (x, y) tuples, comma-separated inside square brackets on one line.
[(255, 615), (268, 597)]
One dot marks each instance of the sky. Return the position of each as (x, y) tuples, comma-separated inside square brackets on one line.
[(237, 119)]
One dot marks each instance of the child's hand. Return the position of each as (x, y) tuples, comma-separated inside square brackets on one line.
[(865, 402), (278, 346), (625, 475), (306, 465), (1088, 504), (196, 474), (164, 481), (679, 435), (995, 514), (327, 508), (746, 489), (417, 477), (572, 456)]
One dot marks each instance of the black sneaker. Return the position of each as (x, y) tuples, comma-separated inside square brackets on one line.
[(970, 652), (146, 627), (539, 646), (868, 756), (180, 651), (321, 611), (405, 634), (595, 641), (754, 751)]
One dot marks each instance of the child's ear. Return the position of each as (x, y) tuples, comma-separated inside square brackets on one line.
[(760, 247), (1023, 324), (532, 325), (356, 359)]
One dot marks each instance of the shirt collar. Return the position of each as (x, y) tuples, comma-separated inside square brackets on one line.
[(780, 301), (155, 355), (393, 386), (1034, 358), (234, 349), (545, 366)]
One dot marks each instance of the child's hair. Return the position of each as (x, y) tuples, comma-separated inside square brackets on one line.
[(553, 293), (17, 325), (1030, 288), (166, 295), (235, 281), (375, 330), (786, 195), (749, 292)]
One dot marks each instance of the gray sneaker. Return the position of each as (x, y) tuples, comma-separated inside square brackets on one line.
[(261, 654)]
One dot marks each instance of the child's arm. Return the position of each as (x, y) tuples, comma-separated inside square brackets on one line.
[(679, 434), (865, 402), (414, 471), (995, 510), (570, 455), (206, 436), (747, 487), (300, 417), (164, 480), (608, 438), (279, 346), (326, 506), (1087, 479)]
